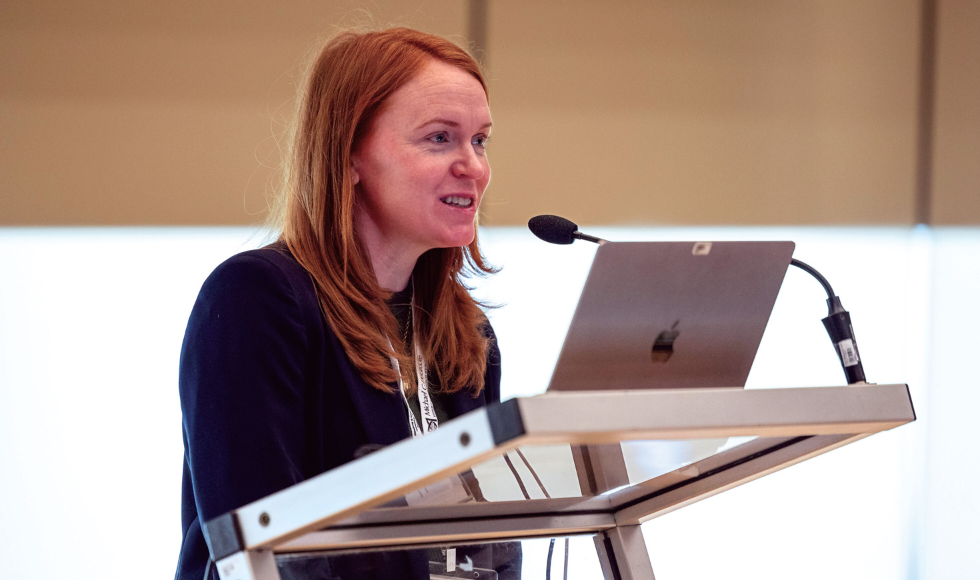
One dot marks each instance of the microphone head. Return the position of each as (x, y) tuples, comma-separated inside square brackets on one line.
[(553, 229)]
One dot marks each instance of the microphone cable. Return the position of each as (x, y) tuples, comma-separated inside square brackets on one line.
[(534, 474), (517, 476), (547, 565), (551, 552)]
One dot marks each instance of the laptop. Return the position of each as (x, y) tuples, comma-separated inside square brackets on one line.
[(671, 315)]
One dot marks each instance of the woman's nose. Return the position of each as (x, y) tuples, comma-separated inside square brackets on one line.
[(469, 164)]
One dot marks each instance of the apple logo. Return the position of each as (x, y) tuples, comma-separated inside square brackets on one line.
[(663, 346)]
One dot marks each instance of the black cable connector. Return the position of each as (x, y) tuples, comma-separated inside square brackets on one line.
[(838, 325)]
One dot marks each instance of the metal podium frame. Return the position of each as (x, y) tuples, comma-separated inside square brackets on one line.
[(332, 512)]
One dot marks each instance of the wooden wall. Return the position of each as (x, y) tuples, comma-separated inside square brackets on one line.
[(628, 112), (956, 152)]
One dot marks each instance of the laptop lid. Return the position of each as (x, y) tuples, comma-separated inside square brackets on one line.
[(671, 315)]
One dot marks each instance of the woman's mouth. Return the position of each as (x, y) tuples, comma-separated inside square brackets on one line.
[(457, 201)]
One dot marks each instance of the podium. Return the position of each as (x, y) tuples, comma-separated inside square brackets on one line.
[(585, 463)]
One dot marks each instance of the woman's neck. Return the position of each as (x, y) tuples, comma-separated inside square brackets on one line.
[(392, 262), (393, 271), (392, 257)]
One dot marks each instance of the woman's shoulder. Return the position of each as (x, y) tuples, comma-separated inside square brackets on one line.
[(273, 260), (269, 265), (255, 276)]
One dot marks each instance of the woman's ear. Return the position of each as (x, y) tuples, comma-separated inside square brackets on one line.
[(355, 175)]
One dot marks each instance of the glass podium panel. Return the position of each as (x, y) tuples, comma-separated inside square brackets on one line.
[(571, 557), (566, 487), (564, 471), (569, 464)]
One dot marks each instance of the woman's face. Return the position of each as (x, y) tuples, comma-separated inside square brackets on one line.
[(422, 168)]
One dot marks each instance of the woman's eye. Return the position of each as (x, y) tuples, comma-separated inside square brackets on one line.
[(480, 140), (439, 138)]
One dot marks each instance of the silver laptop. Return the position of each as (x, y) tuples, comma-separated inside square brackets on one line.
[(671, 315)]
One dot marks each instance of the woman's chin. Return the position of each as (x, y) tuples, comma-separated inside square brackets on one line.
[(457, 238), (456, 243)]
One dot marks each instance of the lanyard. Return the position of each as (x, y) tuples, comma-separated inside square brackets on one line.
[(429, 420)]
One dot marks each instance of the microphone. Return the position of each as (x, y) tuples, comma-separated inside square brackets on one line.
[(558, 230)]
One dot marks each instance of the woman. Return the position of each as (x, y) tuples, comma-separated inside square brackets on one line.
[(293, 360)]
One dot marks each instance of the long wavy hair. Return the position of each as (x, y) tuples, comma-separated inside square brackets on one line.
[(347, 86)]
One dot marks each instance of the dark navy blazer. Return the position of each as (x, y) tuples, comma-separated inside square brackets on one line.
[(269, 398)]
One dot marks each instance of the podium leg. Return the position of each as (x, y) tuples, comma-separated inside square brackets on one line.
[(600, 468), (258, 565), (623, 554)]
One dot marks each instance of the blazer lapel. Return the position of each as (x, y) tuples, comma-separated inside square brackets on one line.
[(463, 401)]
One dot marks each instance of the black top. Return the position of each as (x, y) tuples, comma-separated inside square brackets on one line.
[(269, 399)]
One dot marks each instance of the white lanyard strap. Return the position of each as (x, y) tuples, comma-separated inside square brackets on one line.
[(429, 419), (430, 422)]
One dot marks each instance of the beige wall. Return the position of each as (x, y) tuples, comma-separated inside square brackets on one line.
[(120, 112), (627, 112), (708, 111)]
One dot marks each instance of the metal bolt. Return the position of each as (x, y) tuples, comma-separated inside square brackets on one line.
[(264, 519), (464, 439)]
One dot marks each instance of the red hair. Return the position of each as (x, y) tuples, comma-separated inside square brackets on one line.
[(347, 87)]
